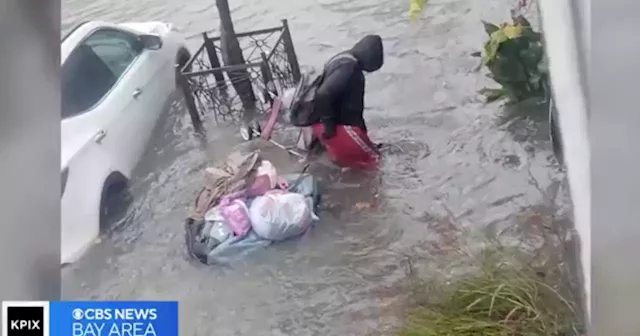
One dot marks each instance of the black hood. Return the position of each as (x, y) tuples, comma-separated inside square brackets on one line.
[(369, 52)]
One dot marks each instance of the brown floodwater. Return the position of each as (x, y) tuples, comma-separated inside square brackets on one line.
[(452, 167)]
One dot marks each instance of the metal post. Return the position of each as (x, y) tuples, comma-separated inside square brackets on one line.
[(221, 84), (191, 104), (290, 50), (267, 77)]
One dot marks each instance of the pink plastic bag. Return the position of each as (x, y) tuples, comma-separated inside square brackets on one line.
[(266, 179), (236, 215), (261, 184)]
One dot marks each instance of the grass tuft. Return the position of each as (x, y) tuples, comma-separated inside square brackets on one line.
[(500, 300)]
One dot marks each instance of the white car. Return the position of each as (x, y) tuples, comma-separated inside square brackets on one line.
[(116, 79)]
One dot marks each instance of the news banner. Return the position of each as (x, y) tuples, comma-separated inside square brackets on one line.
[(90, 318)]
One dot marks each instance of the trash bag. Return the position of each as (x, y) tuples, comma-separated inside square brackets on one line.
[(202, 246), (213, 241), (279, 215), (305, 184), (210, 240), (236, 216), (216, 228), (235, 248)]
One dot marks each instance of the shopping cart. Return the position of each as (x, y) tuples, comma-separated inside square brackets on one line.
[(279, 112)]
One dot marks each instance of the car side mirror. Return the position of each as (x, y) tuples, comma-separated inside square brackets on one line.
[(151, 42)]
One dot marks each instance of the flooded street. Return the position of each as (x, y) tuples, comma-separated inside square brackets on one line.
[(449, 157)]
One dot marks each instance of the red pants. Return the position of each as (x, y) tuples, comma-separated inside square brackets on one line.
[(350, 147)]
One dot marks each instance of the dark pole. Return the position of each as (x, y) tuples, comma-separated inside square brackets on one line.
[(215, 63), (232, 55), (290, 50), (267, 78), (191, 104)]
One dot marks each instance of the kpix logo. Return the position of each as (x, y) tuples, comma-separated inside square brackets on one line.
[(24, 318)]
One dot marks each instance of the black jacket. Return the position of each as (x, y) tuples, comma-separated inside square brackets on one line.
[(340, 97)]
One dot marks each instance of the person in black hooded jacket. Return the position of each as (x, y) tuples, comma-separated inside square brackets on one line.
[(340, 102)]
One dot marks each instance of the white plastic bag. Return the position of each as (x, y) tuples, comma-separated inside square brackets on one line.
[(216, 226), (280, 215)]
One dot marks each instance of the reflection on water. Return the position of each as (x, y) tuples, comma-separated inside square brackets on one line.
[(448, 157)]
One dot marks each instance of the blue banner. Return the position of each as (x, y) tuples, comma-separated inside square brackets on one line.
[(113, 318)]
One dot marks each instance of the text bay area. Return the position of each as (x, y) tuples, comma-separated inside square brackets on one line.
[(113, 329)]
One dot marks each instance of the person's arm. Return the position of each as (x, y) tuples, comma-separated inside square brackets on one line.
[(333, 85)]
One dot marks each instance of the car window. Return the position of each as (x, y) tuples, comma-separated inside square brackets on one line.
[(116, 48), (93, 68)]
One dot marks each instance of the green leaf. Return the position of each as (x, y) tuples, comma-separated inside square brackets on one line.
[(522, 21), (531, 35), (491, 47), (498, 36), (415, 8), (511, 31), (489, 52), (490, 27), (529, 57), (510, 49), (514, 56)]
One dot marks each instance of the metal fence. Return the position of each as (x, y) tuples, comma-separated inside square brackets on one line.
[(210, 87)]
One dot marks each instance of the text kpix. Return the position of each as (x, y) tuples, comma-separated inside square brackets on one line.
[(25, 324), (24, 318)]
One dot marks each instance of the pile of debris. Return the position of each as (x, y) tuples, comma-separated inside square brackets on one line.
[(246, 205)]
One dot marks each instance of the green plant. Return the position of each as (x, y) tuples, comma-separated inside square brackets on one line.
[(415, 8), (514, 56), (500, 301)]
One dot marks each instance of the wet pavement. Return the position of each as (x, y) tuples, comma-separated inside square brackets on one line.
[(452, 165)]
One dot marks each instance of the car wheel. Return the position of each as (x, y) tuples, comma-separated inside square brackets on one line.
[(250, 131), (114, 203), (246, 133), (255, 126)]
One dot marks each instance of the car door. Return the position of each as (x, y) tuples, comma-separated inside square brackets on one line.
[(160, 83), (103, 82), (151, 89)]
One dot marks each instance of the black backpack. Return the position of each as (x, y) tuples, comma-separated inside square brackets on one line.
[(302, 111)]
